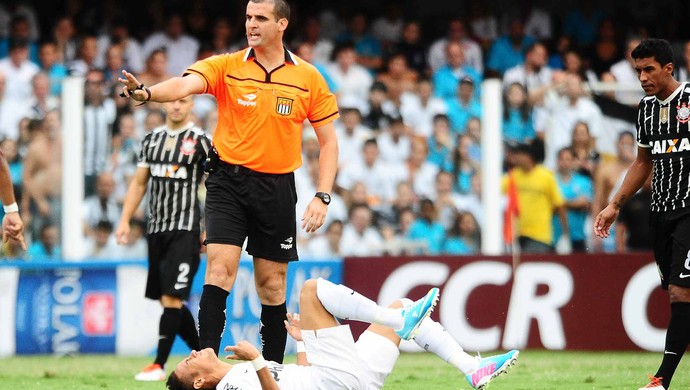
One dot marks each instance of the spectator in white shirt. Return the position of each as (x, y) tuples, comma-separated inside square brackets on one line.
[(325, 246), (351, 134), (360, 238), (388, 27), (457, 32), (182, 49), (418, 171), (86, 56), (133, 59), (101, 206), (18, 70), (419, 109), (41, 101), (379, 177), (394, 144), (626, 77), (534, 72), (353, 80), (563, 110)]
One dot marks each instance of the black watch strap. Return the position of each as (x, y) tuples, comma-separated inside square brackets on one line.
[(324, 196)]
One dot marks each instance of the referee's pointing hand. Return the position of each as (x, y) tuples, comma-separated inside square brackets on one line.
[(131, 87)]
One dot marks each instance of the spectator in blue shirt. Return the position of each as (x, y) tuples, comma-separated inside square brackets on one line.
[(441, 141), (47, 247), (508, 50), (518, 124), (461, 164), (447, 78), (463, 236), (427, 229), (48, 56), (369, 52), (463, 106), (19, 29), (577, 190)]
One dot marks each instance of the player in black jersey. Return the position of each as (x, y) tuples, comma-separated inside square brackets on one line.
[(663, 139), (172, 156)]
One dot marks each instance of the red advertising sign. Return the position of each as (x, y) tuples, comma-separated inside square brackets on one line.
[(98, 314), (587, 302)]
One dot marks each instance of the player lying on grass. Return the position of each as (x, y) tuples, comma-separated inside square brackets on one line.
[(330, 358)]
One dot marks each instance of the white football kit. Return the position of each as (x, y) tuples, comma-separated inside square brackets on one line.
[(336, 362)]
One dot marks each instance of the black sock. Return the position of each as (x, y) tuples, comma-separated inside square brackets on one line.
[(169, 324), (187, 330), (677, 339), (273, 332), (212, 316)]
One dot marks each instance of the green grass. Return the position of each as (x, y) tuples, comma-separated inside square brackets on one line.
[(539, 370)]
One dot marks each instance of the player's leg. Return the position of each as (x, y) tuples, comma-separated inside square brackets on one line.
[(345, 303), (270, 278), (168, 327), (226, 229), (163, 274), (671, 247), (221, 271), (272, 243), (435, 339), (184, 247)]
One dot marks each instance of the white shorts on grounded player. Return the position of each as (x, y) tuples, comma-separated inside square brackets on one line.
[(342, 363)]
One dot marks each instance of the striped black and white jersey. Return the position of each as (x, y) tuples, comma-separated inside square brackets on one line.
[(175, 160), (662, 126)]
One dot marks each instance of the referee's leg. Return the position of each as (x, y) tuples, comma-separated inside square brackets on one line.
[(270, 278), (221, 271)]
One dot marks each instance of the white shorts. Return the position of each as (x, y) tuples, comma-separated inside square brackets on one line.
[(340, 363)]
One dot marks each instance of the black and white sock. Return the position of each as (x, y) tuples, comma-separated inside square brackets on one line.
[(273, 333), (167, 330), (677, 339), (212, 316), (188, 331)]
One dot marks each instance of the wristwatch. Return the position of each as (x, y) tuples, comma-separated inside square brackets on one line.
[(324, 196)]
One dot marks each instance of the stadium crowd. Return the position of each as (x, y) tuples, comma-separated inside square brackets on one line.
[(409, 132)]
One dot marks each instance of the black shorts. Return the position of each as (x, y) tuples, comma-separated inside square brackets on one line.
[(671, 238), (173, 262), (241, 203)]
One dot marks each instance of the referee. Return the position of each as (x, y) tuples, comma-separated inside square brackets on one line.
[(264, 95), (173, 156), (663, 140)]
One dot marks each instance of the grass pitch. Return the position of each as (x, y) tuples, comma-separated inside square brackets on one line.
[(538, 370)]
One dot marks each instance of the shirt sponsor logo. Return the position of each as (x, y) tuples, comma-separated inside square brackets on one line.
[(670, 145), (169, 170), (287, 245), (248, 101), (284, 106)]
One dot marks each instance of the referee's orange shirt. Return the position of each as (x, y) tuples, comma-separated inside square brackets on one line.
[(260, 114)]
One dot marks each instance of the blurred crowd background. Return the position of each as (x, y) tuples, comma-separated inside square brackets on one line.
[(407, 76)]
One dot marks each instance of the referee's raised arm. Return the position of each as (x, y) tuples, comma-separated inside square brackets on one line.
[(169, 90)]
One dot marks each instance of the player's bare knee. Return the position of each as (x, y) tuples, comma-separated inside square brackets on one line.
[(219, 274), (308, 292), (271, 290), (170, 301)]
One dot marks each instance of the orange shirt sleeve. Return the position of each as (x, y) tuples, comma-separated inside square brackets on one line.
[(323, 108), (211, 70)]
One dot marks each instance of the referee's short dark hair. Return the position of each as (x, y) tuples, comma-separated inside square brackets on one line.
[(660, 49), (281, 7)]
